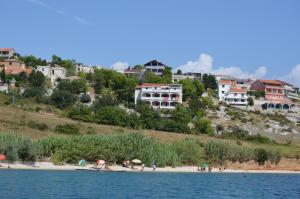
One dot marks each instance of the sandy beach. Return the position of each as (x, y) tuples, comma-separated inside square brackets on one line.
[(118, 168)]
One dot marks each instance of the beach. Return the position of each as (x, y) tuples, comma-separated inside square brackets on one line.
[(119, 168)]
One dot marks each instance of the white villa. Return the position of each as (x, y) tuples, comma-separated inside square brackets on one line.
[(52, 73), (231, 93), (162, 96), (83, 68)]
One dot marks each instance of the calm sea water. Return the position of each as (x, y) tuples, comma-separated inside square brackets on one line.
[(89, 184)]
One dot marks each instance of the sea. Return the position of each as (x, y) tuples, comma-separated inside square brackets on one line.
[(38, 184)]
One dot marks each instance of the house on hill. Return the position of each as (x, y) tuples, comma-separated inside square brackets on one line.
[(6, 53), (232, 92), (139, 73), (14, 67), (156, 67), (274, 94), (159, 96), (52, 72)]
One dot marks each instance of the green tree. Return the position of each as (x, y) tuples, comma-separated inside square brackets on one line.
[(37, 79), (33, 61), (149, 117), (3, 76), (181, 114), (27, 151), (209, 81), (179, 72), (188, 88), (261, 156), (250, 101), (62, 98)]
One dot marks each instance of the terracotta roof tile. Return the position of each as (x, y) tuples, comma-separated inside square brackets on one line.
[(274, 82), (238, 90)]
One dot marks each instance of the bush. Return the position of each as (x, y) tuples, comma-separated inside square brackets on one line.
[(37, 125), (274, 156), (17, 148), (27, 150), (69, 129), (62, 99), (33, 92), (202, 125), (85, 98), (250, 101), (172, 126), (112, 115), (261, 156)]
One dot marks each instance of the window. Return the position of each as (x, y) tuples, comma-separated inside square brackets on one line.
[(223, 92), (223, 86), (52, 72), (235, 94), (10, 63)]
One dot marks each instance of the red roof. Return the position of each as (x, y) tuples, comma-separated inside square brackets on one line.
[(6, 49), (274, 82), (227, 81), (285, 83), (238, 90)]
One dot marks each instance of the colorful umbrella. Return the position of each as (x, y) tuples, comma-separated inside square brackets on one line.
[(2, 157), (82, 163), (136, 161)]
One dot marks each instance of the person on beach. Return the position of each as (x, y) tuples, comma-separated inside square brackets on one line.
[(143, 166), (154, 165)]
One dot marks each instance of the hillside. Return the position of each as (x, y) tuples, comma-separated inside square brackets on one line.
[(18, 119)]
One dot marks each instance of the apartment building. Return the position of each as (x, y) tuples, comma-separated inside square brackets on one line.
[(160, 96), (231, 93), (274, 90)]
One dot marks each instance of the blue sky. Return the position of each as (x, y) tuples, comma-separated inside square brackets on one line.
[(259, 38)]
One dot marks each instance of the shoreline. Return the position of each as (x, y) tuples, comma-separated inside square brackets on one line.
[(117, 168)]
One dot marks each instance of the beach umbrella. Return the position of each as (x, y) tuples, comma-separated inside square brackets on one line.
[(2, 157), (136, 161), (82, 163), (100, 162)]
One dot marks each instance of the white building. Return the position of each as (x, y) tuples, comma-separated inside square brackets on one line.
[(7, 53), (176, 78), (52, 73), (83, 68), (162, 96), (230, 93)]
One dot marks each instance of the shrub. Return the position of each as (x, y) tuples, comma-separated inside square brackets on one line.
[(202, 125), (250, 101), (274, 156), (85, 98), (37, 125), (27, 150), (261, 156), (69, 129), (17, 148)]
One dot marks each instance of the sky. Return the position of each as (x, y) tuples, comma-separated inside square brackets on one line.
[(249, 38)]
